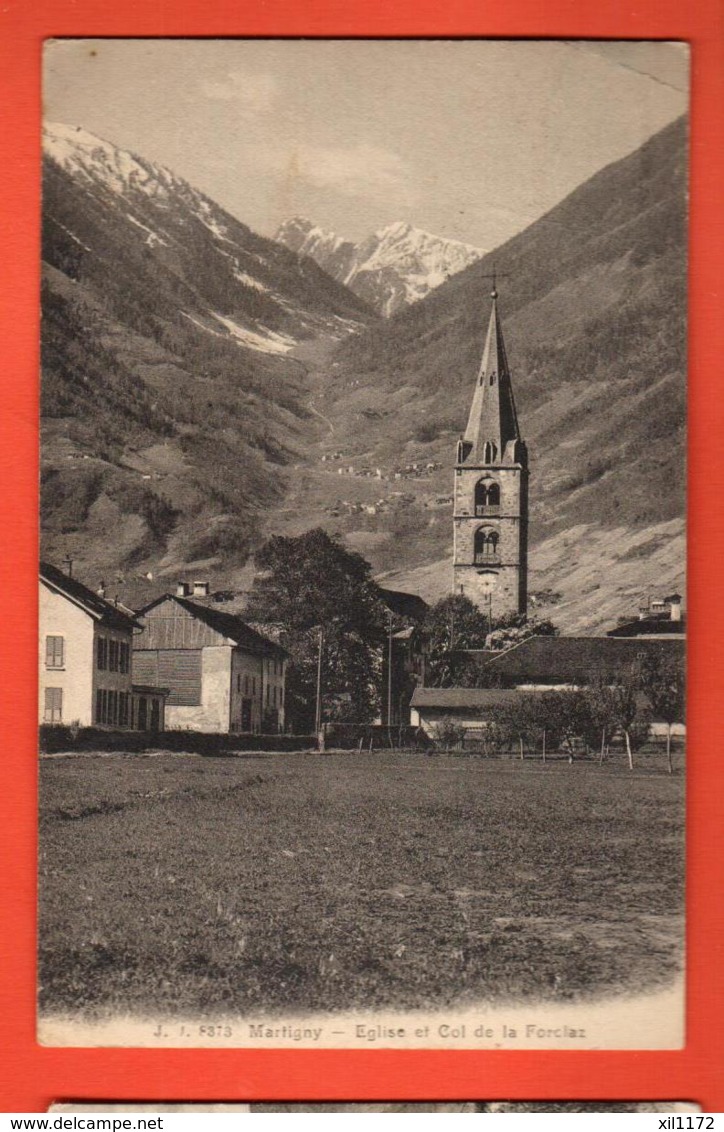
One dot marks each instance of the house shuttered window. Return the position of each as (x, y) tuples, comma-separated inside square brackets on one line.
[(102, 653), (124, 656), (113, 656), (53, 712), (54, 652)]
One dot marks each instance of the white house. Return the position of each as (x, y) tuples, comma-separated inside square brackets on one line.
[(85, 661)]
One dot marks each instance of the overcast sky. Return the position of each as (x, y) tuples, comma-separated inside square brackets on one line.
[(472, 139)]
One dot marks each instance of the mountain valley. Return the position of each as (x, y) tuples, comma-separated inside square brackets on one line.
[(205, 387)]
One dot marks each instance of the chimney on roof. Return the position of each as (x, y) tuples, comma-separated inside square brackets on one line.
[(183, 589), (201, 589), (101, 591)]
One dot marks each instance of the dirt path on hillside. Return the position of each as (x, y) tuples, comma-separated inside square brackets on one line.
[(315, 410), (313, 359)]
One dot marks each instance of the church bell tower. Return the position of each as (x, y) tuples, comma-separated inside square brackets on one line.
[(490, 515)]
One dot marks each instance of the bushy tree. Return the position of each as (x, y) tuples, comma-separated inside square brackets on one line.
[(513, 628), (452, 624), (626, 711), (514, 722), (448, 733), (663, 681), (312, 585), (600, 716), (543, 712), (568, 711)]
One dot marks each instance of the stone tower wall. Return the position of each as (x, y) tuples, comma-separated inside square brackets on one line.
[(510, 521)]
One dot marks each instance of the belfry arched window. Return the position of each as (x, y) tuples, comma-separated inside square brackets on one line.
[(487, 497), (490, 452), (486, 545)]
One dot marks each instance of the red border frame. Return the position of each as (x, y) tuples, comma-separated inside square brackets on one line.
[(39, 1075)]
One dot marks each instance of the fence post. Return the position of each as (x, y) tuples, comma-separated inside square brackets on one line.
[(544, 744)]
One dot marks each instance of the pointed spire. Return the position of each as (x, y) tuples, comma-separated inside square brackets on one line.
[(493, 422)]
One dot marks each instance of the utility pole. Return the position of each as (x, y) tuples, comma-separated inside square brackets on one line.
[(389, 667), (318, 711)]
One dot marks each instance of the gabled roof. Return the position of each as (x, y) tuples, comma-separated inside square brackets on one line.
[(226, 624), (649, 626), (492, 413), (576, 660), (91, 603), (470, 698), (403, 604)]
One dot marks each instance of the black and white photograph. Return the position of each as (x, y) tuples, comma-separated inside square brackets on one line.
[(362, 613)]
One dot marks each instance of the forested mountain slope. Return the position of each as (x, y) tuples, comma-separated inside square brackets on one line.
[(593, 305), (171, 403)]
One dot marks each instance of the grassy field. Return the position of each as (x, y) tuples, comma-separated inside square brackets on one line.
[(285, 883)]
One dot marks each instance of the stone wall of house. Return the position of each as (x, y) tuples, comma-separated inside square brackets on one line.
[(214, 711)]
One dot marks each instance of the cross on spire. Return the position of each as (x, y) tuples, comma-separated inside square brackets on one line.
[(494, 276), (493, 422)]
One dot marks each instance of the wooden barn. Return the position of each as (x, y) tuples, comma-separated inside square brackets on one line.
[(222, 675)]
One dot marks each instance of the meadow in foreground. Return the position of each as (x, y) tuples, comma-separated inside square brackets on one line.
[(295, 883)]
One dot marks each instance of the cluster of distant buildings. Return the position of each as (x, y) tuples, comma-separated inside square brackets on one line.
[(391, 502), (407, 471)]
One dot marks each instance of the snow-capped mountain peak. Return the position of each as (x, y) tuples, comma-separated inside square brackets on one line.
[(258, 294), (391, 268), (87, 156), (331, 252)]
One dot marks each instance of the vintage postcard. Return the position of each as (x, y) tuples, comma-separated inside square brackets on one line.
[(362, 613)]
